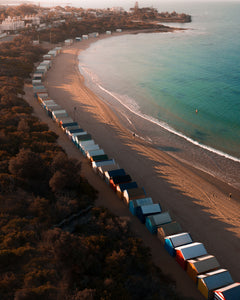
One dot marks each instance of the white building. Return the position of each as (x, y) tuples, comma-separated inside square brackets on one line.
[(34, 19), (42, 26), (12, 24), (93, 34), (117, 9), (68, 42)]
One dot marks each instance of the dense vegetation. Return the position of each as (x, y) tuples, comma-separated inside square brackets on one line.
[(78, 21), (40, 186), (15, 11), (72, 28)]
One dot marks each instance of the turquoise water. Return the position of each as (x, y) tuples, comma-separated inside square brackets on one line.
[(167, 77)]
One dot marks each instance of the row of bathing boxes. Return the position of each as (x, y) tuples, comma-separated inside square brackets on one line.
[(212, 281)]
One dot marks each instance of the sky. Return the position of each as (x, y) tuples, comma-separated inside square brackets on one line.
[(126, 4)]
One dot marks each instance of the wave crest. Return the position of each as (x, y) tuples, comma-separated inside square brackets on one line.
[(131, 105), (134, 108)]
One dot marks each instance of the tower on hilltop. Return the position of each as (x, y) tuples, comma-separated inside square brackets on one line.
[(136, 8)]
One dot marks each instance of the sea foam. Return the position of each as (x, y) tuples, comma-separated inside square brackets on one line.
[(134, 108)]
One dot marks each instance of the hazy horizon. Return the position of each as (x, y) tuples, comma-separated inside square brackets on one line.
[(105, 3)]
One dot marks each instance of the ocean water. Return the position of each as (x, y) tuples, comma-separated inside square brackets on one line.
[(186, 82)]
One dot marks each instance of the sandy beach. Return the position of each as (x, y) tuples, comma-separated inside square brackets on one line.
[(198, 201)]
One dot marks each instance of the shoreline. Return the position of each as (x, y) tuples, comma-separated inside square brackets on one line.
[(187, 193), (168, 128), (223, 165)]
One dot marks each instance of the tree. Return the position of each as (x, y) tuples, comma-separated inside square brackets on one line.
[(86, 294), (27, 164), (67, 249), (23, 126), (66, 175), (40, 207), (7, 183)]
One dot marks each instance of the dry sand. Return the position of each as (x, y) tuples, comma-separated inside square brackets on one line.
[(199, 202)]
